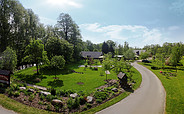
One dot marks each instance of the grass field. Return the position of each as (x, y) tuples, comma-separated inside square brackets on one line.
[(174, 87), (93, 78)]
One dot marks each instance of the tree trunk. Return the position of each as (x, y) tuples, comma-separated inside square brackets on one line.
[(37, 68)]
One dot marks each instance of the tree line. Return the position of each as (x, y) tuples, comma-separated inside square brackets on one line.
[(19, 27)]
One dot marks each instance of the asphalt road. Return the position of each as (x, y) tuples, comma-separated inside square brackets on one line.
[(5, 111), (148, 99)]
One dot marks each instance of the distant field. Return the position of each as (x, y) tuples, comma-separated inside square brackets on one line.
[(174, 87)]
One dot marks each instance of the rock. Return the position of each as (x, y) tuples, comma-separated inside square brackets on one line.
[(89, 99), (115, 89), (22, 88), (31, 90), (57, 102), (74, 95), (45, 93)]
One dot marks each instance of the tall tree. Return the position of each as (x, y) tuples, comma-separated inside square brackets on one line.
[(105, 48), (129, 54), (57, 62), (175, 57), (9, 59), (35, 53)]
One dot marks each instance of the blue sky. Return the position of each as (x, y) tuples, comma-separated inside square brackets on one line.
[(139, 22)]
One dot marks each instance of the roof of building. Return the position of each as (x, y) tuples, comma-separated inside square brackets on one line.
[(5, 72), (139, 51), (91, 54), (121, 75)]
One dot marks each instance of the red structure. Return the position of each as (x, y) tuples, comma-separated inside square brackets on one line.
[(5, 76)]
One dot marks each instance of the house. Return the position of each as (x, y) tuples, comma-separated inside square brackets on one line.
[(5, 76), (138, 52), (91, 54)]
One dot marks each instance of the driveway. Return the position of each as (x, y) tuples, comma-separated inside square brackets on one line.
[(148, 99), (5, 111)]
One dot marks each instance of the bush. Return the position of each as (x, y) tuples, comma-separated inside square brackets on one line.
[(73, 103), (53, 91), (63, 93), (82, 100), (16, 94), (88, 105), (99, 100), (31, 98), (50, 97), (101, 95), (42, 97)]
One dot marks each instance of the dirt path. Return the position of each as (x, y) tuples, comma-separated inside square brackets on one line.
[(148, 99)]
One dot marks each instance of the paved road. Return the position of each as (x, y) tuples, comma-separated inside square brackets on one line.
[(148, 99), (5, 111)]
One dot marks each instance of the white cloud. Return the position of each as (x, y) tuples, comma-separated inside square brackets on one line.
[(64, 3), (121, 33)]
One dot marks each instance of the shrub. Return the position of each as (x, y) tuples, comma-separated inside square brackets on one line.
[(48, 107), (88, 105), (50, 97), (101, 95), (73, 103), (82, 100), (40, 103), (31, 98), (42, 97), (16, 94), (63, 93), (99, 100), (53, 91)]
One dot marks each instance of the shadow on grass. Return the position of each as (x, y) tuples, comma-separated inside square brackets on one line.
[(66, 70), (31, 79), (55, 83)]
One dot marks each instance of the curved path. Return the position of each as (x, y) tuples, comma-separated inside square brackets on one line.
[(5, 111), (148, 99)]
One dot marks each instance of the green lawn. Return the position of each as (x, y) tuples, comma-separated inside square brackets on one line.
[(91, 79), (174, 87)]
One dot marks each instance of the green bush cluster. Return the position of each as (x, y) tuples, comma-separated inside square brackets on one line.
[(101, 95), (49, 98), (65, 93), (73, 103)]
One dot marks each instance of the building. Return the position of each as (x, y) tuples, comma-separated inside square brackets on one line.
[(91, 54), (138, 52)]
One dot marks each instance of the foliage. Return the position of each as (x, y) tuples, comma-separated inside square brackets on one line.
[(9, 59), (50, 97), (105, 48), (82, 100), (144, 55), (101, 95), (35, 53), (129, 54), (160, 60), (31, 97), (58, 47), (73, 103), (57, 62)]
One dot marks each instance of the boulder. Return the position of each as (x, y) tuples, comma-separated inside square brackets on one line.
[(115, 89), (74, 95), (57, 102), (22, 88), (31, 90), (45, 93), (90, 99)]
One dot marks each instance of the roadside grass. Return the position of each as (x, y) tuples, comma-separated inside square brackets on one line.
[(174, 87), (11, 104)]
